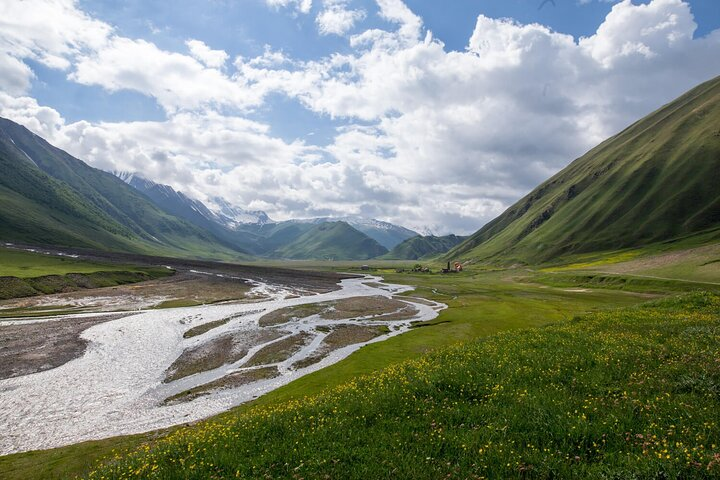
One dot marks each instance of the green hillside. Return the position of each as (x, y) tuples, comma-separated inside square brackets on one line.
[(331, 240), (656, 180), (422, 247), (50, 197)]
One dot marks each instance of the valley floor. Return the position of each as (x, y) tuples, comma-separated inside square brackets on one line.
[(134, 364), (481, 303)]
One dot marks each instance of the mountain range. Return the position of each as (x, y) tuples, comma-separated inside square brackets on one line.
[(258, 234), (656, 181), (50, 197)]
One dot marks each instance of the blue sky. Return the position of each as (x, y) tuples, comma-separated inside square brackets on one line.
[(308, 107)]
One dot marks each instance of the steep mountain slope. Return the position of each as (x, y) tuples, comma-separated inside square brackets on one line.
[(331, 240), (51, 197), (193, 211), (39, 209), (423, 247), (657, 180), (170, 201)]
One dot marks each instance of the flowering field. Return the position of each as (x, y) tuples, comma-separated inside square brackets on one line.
[(631, 393)]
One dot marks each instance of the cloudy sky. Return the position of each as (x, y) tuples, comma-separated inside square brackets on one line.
[(433, 115)]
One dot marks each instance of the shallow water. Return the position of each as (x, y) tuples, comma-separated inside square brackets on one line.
[(117, 388)]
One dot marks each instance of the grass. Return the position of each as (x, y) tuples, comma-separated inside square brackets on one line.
[(178, 303), (632, 393), (13, 287), (25, 274), (623, 282), (205, 327), (482, 303), (22, 264)]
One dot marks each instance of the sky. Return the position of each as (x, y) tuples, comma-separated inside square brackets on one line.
[(432, 115)]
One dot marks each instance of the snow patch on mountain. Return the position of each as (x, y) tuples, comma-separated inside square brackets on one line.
[(232, 216)]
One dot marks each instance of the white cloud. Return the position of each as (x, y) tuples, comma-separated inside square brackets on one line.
[(647, 31), (15, 76), (42, 120), (300, 6), (430, 138), (211, 58), (46, 32), (337, 19), (176, 81)]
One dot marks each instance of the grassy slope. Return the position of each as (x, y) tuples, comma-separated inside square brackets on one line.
[(56, 199), (654, 181), (630, 393), (422, 247), (18, 263), (38, 208), (24, 274), (481, 304), (331, 240)]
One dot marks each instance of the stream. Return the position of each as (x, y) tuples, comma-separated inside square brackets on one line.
[(116, 387)]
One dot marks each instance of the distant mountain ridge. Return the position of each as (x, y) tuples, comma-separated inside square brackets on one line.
[(386, 234), (423, 247), (49, 197), (331, 241), (657, 180), (257, 233)]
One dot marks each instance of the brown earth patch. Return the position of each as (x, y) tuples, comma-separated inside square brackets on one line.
[(206, 327), (342, 336), (182, 289), (35, 347), (233, 380), (375, 307), (280, 351), (217, 352), (421, 301)]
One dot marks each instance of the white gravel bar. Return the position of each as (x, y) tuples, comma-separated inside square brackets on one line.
[(116, 387)]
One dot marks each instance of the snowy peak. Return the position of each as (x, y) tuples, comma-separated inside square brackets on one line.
[(232, 216), (219, 210)]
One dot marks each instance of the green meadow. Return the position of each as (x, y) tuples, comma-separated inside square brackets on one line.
[(482, 303), (24, 274), (627, 393), (22, 264)]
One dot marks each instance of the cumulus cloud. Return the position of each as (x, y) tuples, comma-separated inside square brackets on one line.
[(47, 32), (203, 53), (175, 80), (300, 6), (426, 137), (337, 19)]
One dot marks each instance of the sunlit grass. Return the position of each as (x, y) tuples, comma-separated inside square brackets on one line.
[(21, 264), (621, 394)]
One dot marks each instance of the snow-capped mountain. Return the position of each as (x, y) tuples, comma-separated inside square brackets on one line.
[(220, 211), (252, 230), (232, 216), (166, 197)]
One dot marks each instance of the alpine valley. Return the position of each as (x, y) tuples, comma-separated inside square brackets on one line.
[(156, 328)]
